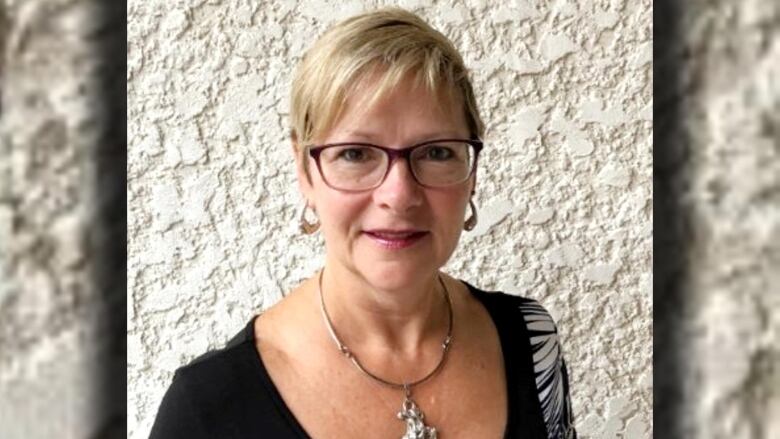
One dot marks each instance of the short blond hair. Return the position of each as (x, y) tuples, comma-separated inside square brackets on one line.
[(388, 45)]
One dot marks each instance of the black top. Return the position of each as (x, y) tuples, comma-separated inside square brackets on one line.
[(228, 393)]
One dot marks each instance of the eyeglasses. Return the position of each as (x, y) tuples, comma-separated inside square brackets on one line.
[(362, 166)]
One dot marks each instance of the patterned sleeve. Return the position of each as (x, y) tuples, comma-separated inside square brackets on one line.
[(552, 379)]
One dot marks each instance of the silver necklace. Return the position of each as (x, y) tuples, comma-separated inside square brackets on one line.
[(410, 412)]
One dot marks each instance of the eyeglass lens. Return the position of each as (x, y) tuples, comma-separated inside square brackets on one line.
[(357, 167)]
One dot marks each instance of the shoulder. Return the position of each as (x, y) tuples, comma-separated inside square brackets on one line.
[(523, 315), (525, 318), (503, 305), (202, 389), (219, 362)]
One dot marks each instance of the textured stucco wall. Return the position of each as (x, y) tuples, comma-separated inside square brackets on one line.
[(48, 337), (733, 122), (718, 179), (55, 288), (564, 186)]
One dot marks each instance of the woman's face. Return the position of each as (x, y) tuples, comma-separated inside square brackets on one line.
[(400, 232)]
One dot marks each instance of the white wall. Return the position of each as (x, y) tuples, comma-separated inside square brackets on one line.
[(564, 190), (55, 248)]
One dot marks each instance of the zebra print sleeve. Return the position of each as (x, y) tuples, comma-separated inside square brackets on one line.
[(552, 380)]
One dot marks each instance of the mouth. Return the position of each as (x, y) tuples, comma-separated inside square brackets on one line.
[(396, 239)]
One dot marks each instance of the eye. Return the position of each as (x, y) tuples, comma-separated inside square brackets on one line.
[(438, 152), (354, 154)]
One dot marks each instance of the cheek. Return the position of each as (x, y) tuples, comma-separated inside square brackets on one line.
[(450, 212), (328, 204), (339, 214)]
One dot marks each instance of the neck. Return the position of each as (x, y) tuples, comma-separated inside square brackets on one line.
[(399, 321)]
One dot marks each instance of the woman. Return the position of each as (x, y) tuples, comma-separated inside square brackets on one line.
[(380, 343)]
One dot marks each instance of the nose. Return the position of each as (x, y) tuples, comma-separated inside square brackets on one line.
[(399, 192)]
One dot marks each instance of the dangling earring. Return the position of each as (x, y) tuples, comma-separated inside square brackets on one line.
[(471, 222), (306, 226)]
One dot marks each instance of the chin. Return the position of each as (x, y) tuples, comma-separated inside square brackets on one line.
[(396, 275)]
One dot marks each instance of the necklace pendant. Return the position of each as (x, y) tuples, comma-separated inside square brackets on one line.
[(415, 427)]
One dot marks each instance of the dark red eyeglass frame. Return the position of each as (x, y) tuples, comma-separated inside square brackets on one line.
[(392, 154)]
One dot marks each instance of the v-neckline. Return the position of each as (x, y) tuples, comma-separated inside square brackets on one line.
[(508, 351)]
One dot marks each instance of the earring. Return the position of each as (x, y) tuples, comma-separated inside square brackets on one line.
[(471, 222), (308, 227)]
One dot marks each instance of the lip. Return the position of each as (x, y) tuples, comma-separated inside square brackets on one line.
[(395, 239)]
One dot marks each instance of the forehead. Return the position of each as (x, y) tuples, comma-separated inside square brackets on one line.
[(408, 110)]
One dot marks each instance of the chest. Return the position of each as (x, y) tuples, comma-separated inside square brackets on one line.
[(331, 398)]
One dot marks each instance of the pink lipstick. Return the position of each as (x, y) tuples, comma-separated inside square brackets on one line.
[(395, 239)]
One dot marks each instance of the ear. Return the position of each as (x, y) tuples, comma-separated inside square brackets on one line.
[(301, 169)]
